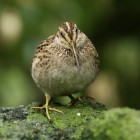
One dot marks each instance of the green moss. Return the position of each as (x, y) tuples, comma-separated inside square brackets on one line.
[(25, 123), (87, 119), (114, 124)]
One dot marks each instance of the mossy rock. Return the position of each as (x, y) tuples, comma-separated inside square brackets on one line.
[(114, 124), (25, 123)]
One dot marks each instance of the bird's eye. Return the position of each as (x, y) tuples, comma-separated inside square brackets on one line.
[(61, 33), (76, 30)]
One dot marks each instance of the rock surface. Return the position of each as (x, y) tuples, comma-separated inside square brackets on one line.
[(25, 123), (87, 119)]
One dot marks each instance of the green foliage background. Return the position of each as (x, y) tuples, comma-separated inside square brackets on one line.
[(112, 25)]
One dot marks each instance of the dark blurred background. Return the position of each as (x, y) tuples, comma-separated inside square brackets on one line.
[(112, 25)]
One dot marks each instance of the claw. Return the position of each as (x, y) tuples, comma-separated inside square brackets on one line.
[(46, 106), (73, 100)]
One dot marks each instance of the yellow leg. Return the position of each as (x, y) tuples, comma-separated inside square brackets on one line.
[(46, 106)]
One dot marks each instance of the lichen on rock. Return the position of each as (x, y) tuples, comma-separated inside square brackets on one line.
[(87, 119), (25, 123)]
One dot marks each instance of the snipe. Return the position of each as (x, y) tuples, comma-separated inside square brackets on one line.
[(64, 64)]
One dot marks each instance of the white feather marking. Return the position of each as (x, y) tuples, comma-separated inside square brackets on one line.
[(68, 26)]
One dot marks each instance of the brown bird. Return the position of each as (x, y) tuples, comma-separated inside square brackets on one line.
[(64, 64)]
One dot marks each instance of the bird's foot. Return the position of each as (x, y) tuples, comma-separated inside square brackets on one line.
[(73, 100), (47, 110)]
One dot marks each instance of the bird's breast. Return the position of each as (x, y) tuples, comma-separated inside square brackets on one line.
[(62, 77)]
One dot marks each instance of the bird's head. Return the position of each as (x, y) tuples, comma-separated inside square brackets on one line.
[(67, 35)]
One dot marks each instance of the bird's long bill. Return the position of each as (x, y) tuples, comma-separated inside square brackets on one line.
[(75, 55)]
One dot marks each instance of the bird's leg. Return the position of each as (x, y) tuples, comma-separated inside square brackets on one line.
[(73, 100), (46, 106)]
